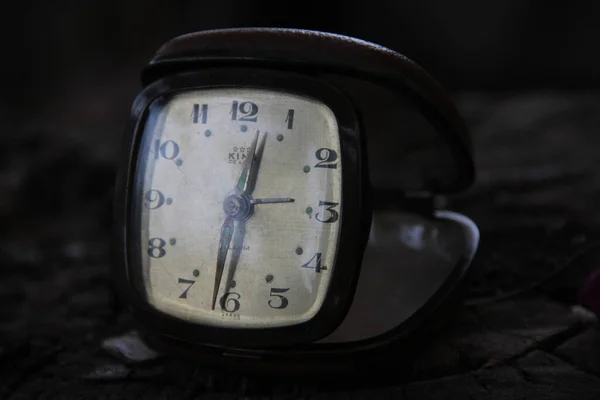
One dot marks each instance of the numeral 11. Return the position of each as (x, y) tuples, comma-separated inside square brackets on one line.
[(199, 112)]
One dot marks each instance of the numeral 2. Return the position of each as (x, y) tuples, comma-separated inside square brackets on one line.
[(327, 158)]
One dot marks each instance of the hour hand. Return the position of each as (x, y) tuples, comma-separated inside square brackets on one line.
[(224, 241), (247, 179)]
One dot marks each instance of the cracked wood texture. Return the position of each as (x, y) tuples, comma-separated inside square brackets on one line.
[(536, 201)]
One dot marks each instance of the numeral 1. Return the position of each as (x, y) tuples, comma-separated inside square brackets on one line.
[(290, 119)]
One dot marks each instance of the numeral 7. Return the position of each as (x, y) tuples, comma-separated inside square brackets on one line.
[(186, 282)]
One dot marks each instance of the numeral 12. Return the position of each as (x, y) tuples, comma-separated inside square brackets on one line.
[(245, 111)]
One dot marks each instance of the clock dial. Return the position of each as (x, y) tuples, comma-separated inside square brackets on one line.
[(241, 206)]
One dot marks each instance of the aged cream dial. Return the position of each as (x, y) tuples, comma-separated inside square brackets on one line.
[(241, 206)]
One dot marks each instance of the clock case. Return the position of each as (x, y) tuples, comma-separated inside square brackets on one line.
[(376, 93), (354, 222)]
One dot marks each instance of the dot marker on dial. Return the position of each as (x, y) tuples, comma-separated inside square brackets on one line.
[(299, 250), (306, 169), (179, 162), (269, 278), (280, 137), (196, 272), (243, 128), (172, 241), (169, 201), (207, 133)]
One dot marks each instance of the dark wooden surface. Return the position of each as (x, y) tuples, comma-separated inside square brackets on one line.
[(536, 201)]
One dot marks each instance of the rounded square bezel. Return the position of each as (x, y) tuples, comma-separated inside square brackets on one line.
[(355, 217)]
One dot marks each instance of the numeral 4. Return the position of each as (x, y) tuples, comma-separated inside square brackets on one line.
[(315, 263)]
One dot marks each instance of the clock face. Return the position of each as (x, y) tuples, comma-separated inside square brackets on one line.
[(239, 192)]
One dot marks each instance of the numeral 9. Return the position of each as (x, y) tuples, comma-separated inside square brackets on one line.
[(154, 199)]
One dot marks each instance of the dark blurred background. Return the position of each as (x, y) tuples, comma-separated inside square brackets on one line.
[(70, 69), (524, 73), (55, 52)]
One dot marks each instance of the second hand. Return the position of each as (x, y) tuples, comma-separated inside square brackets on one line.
[(272, 200)]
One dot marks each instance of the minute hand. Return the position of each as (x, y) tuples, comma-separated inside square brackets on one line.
[(224, 241), (247, 179)]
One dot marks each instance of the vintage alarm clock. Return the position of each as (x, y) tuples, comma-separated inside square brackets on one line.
[(278, 203)]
